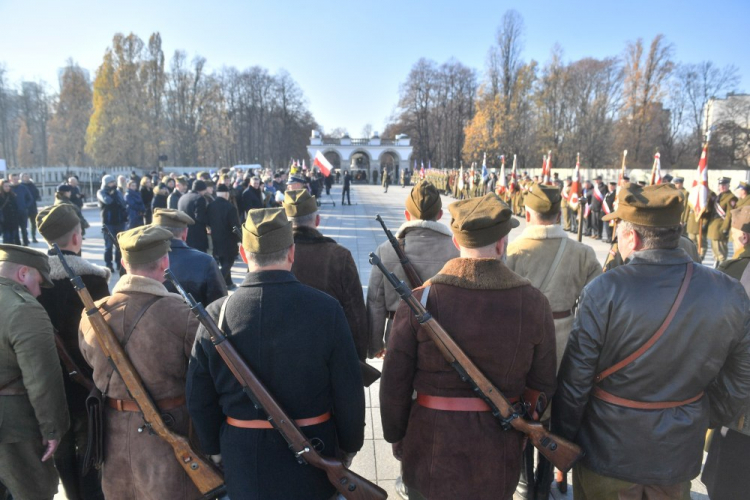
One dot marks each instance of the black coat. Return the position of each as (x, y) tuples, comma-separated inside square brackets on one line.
[(159, 201), (251, 198), (174, 199), (222, 217), (8, 210), (297, 341), (195, 205), (35, 196), (197, 272)]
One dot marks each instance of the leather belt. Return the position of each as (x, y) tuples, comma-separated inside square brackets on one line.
[(641, 405), (265, 424), (130, 405), (454, 404), (562, 314)]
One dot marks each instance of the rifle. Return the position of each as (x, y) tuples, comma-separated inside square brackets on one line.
[(349, 484), (411, 273), (559, 451), (74, 372), (207, 479)]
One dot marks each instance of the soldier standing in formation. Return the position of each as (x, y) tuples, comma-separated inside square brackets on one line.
[(157, 330), (298, 342), (719, 220), (60, 225), (449, 442), (559, 267), (641, 416), (32, 397), (428, 246), (325, 265)]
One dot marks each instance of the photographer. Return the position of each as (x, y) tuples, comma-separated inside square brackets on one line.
[(114, 216)]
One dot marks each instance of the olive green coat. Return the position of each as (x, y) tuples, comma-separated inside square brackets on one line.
[(27, 351), (718, 225)]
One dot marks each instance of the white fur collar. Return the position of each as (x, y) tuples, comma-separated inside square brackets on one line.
[(424, 224), (79, 265), (555, 231), (141, 284)]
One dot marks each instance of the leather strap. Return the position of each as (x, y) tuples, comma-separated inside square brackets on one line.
[(391, 314), (455, 404), (12, 391), (130, 405), (562, 314), (656, 336), (641, 405), (265, 424), (555, 264)]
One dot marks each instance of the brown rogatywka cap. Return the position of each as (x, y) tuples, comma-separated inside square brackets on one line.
[(169, 217), (741, 219), (424, 201), (57, 221), (660, 205), (478, 222), (543, 199), (266, 230), (27, 257), (299, 202), (144, 244)]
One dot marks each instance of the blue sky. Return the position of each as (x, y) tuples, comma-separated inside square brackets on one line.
[(349, 58)]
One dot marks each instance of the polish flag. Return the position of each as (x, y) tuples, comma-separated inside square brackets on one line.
[(656, 170), (545, 173), (548, 178), (323, 164), (699, 195), (575, 185), (503, 185)]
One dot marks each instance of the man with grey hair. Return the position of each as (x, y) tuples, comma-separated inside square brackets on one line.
[(660, 349), (323, 264)]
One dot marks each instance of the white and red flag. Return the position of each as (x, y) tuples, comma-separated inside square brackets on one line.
[(548, 176), (656, 170), (575, 185), (323, 164), (514, 175), (503, 184), (699, 195)]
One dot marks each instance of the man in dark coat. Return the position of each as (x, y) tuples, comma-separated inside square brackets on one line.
[(75, 195), (33, 210), (325, 265), (60, 224), (297, 341), (505, 326), (114, 216), (641, 420), (180, 188), (194, 204), (196, 271), (252, 196), (25, 202), (222, 219), (347, 188)]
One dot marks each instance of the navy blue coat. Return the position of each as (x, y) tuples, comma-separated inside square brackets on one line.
[(24, 199), (197, 272), (136, 208), (296, 339)]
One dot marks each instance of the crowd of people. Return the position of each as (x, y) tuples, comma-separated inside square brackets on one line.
[(635, 379)]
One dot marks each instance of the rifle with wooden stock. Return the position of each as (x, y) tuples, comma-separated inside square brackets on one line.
[(349, 484), (203, 474), (559, 451), (411, 273)]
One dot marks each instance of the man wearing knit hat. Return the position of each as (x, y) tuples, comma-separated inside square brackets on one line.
[(32, 397), (449, 443), (62, 197), (428, 246), (325, 265), (195, 205), (196, 271), (644, 370), (60, 224), (157, 331), (114, 216), (297, 341), (559, 267)]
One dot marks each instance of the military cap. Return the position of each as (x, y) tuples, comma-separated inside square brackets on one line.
[(199, 186), (543, 199), (724, 180), (296, 178), (298, 203), (29, 257), (743, 185), (481, 221), (424, 201), (57, 221), (144, 244), (612, 183), (660, 205), (741, 219), (169, 217), (678, 180), (266, 230), (667, 178), (64, 188)]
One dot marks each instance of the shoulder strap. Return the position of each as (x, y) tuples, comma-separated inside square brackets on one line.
[(555, 264), (425, 294), (222, 313), (656, 336)]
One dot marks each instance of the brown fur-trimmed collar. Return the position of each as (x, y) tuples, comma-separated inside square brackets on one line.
[(79, 265), (305, 234), (478, 274)]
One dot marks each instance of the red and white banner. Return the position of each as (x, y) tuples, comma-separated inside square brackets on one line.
[(575, 186), (656, 170), (503, 184), (548, 176), (598, 194), (699, 194), (323, 164)]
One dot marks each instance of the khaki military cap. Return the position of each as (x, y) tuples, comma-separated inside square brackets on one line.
[(298, 203), (660, 205), (57, 221), (478, 222), (266, 230), (543, 199), (424, 201), (741, 219), (27, 257), (144, 244), (743, 185), (169, 217)]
